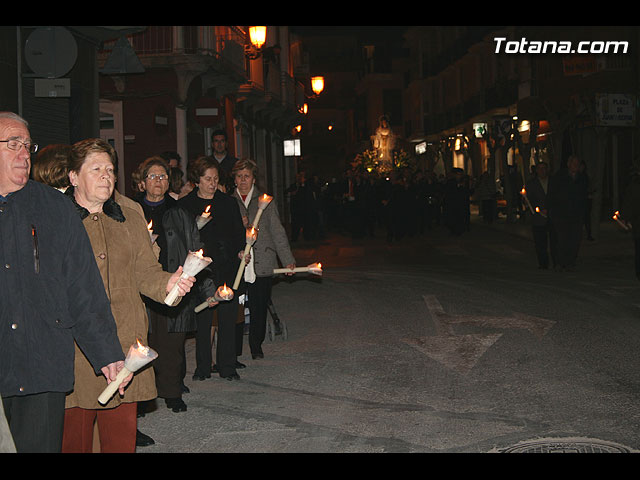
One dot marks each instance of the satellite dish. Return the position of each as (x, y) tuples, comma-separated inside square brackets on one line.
[(51, 52)]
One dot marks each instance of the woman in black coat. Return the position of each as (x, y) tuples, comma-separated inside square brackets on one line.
[(224, 240), (177, 234)]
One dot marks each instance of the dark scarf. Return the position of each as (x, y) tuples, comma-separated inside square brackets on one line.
[(110, 208)]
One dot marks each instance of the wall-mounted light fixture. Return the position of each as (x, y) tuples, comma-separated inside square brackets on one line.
[(317, 84), (257, 38)]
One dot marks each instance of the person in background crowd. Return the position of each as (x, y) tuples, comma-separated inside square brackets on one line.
[(630, 213), (172, 158), (220, 145), (224, 240), (567, 206), (168, 326), (537, 189), (176, 182), (456, 202), (271, 245), (300, 204), (51, 166), (589, 204), (128, 266), (51, 295), (486, 192)]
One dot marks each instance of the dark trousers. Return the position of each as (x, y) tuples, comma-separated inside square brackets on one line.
[(541, 235), (36, 421), (259, 293), (170, 367), (569, 236), (637, 250), (226, 346)]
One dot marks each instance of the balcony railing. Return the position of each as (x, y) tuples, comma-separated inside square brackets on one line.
[(190, 40)]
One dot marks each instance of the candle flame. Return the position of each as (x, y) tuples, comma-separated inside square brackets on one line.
[(523, 191), (198, 253), (537, 209), (140, 346), (150, 226), (319, 265), (206, 210), (224, 289)]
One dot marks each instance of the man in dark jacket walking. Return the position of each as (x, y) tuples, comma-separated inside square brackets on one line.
[(226, 161), (567, 205), (51, 294)]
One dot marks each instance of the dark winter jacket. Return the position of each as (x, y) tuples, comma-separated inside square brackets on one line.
[(51, 293), (567, 197), (178, 236), (224, 237)]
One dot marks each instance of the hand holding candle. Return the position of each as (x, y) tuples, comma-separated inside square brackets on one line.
[(204, 218), (193, 264), (251, 237), (314, 268), (223, 294), (138, 357)]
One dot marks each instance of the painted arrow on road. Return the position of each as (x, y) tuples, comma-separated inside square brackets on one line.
[(461, 352)]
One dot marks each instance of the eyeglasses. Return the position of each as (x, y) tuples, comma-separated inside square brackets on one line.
[(160, 176), (14, 144)]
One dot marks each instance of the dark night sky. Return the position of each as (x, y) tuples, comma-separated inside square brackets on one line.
[(366, 33)]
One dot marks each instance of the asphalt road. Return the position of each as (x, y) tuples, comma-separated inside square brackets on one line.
[(434, 344)]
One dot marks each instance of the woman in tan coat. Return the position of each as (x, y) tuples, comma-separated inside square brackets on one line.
[(128, 266)]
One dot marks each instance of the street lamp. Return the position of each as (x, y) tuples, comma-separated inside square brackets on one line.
[(257, 37)]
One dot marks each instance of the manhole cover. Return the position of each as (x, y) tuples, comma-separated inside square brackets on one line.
[(567, 445)]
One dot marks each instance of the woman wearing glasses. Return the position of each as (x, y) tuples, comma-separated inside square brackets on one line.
[(177, 235)]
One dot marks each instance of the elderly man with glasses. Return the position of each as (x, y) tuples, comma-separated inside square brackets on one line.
[(51, 294)]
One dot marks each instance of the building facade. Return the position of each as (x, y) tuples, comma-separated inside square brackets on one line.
[(184, 82)]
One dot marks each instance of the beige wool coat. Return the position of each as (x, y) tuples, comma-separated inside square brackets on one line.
[(129, 268)]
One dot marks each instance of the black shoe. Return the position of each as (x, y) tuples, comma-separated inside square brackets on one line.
[(176, 404), (185, 389), (233, 376), (200, 378), (257, 355), (214, 369), (240, 365), (143, 440)]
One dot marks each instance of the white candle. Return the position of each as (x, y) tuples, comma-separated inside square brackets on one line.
[(263, 202), (616, 217), (193, 264), (315, 268), (153, 236), (524, 194), (251, 237), (204, 217), (138, 357), (223, 294), (538, 211)]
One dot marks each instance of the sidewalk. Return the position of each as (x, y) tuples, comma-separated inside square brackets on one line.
[(610, 239)]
